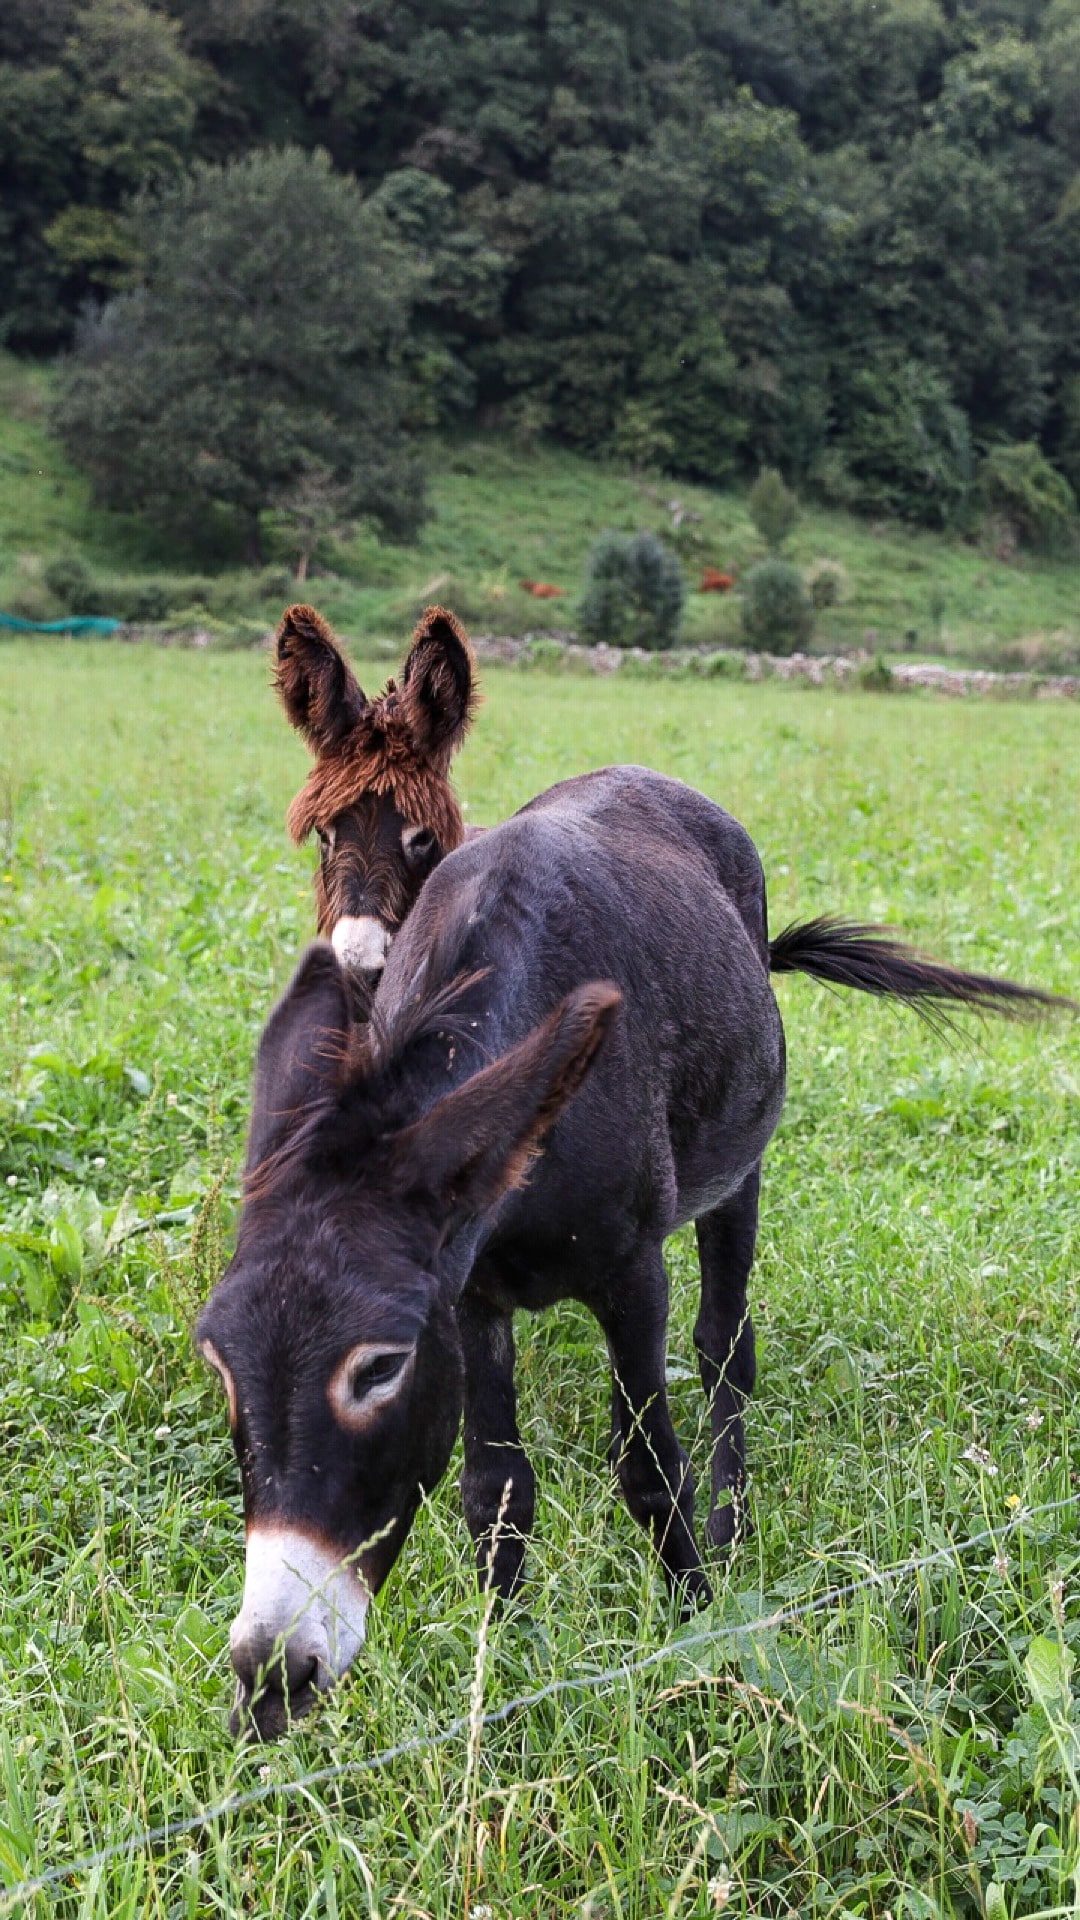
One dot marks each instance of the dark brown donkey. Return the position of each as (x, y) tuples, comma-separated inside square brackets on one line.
[(574, 1049), (378, 796)]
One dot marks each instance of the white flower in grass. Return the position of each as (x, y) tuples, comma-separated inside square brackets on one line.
[(980, 1458), (720, 1891), (1001, 1564), (1034, 1419)]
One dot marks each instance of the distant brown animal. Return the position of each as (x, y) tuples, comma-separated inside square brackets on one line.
[(541, 590), (713, 580), (378, 796)]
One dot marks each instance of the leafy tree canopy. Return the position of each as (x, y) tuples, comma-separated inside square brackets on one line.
[(259, 365)]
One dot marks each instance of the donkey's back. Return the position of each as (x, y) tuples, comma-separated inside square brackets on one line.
[(623, 875)]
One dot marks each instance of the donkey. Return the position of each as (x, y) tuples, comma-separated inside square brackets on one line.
[(574, 1049), (378, 796)]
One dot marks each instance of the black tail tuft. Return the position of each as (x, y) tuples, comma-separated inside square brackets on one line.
[(872, 960)]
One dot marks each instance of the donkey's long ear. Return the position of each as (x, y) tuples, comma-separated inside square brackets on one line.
[(438, 685), (301, 1063), (479, 1140), (318, 688)]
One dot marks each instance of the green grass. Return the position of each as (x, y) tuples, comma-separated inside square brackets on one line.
[(501, 515), (908, 1749)]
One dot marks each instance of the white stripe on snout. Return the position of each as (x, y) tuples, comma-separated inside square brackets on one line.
[(361, 944), (296, 1589)]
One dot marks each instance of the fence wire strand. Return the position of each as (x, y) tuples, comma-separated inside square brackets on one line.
[(170, 1831)]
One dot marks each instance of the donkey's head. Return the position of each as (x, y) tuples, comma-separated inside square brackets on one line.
[(333, 1330), (378, 795)]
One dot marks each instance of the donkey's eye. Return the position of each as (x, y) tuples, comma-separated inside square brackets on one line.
[(367, 1380), (377, 1372), (418, 844), (326, 840)]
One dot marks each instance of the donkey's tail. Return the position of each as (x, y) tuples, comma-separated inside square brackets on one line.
[(872, 960)]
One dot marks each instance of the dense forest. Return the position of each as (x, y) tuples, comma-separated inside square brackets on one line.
[(840, 237)]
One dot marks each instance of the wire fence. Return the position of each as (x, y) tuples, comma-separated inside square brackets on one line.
[(170, 1831)]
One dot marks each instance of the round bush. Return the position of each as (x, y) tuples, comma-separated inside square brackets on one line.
[(149, 600), (827, 583), (633, 593), (70, 581), (777, 612)]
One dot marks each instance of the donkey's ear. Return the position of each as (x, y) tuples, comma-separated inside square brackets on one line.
[(302, 1054), (438, 684), (318, 688), (480, 1140)]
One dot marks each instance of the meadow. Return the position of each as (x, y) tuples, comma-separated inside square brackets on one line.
[(877, 1716)]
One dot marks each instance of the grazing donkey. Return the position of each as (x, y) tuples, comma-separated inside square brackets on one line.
[(574, 1049), (378, 795)]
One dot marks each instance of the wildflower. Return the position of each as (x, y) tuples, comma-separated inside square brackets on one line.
[(162, 1432), (1001, 1564), (720, 1891), (1033, 1420), (13, 1179), (1012, 1501), (980, 1458)]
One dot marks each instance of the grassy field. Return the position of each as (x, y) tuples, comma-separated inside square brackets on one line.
[(500, 515), (906, 1745)]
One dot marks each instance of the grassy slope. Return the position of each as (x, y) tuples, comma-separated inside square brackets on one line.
[(500, 515), (915, 1298)]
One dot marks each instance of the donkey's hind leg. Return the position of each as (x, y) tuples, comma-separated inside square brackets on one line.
[(500, 1521), (653, 1469), (724, 1338)]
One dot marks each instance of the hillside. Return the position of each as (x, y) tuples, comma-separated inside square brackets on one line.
[(500, 514)]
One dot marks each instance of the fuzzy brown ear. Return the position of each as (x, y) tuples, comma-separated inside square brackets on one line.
[(438, 685), (318, 688), (479, 1141)]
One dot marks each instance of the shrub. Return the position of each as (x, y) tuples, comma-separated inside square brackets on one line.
[(70, 581), (29, 600), (827, 583), (773, 508), (876, 675), (1019, 487), (777, 611), (640, 437), (633, 593), (276, 583), (147, 600), (905, 444)]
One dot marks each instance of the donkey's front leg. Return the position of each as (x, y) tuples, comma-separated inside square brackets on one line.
[(724, 1337), (493, 1450), (652, 1468)]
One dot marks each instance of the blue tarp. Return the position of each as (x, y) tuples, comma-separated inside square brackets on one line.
[(75, 623)]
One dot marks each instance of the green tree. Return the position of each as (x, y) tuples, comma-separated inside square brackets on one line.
[(98, 100), (773, 508), (265, 346)]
